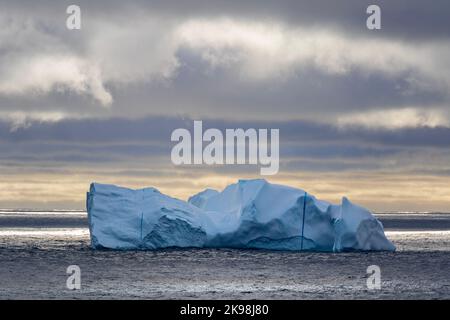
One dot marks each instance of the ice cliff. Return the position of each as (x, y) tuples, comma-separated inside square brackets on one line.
[(248, 214)]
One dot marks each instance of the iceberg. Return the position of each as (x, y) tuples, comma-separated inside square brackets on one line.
[(249, 214)]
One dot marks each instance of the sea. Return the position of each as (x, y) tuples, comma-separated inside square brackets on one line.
[(37, 248)]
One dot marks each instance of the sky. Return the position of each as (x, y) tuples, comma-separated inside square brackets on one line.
[(361, 113)]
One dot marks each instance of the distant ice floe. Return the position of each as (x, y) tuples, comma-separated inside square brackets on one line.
[(249, 214)]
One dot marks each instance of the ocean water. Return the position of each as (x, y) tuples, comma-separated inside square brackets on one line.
[(36, 247)]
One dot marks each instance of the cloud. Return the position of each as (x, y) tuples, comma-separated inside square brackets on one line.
[(35, 62), (146, 48), (22, 120), (40, 75), (268, 49), (395, 119), (152, 134)]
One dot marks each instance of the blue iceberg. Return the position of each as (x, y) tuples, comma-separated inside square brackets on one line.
[(249, 214)]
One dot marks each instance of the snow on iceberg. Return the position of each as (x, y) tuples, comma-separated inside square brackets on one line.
[(248, 214)]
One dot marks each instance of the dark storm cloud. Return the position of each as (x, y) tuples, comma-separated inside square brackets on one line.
[(304, 145), (411, 19), (157, 130), (193, 92), (305, 94)]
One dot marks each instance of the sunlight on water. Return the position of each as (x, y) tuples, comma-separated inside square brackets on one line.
[(415, 232), (6, 212), (46, 232)]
